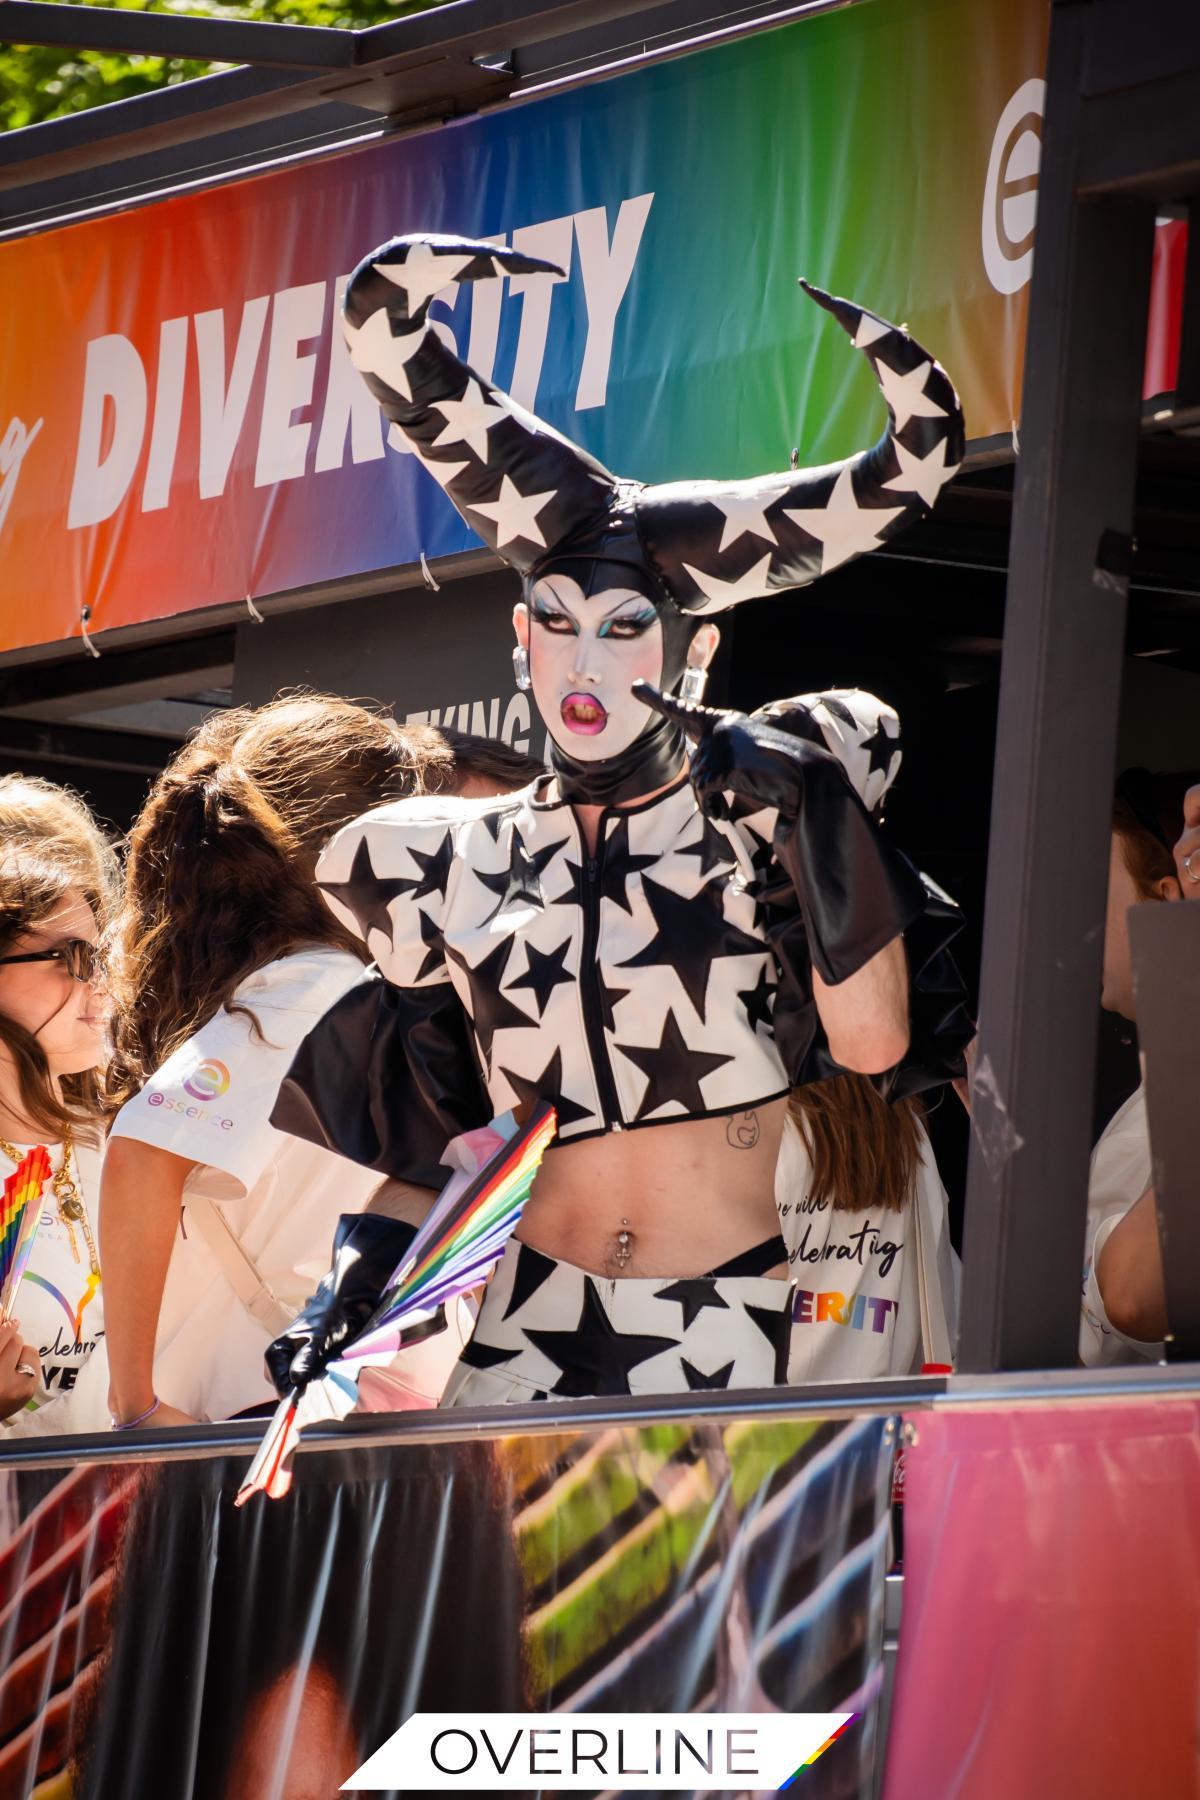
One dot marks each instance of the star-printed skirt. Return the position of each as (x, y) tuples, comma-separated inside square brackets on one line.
[(547, 1330)]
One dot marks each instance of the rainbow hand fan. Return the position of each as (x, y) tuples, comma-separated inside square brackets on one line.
[(20, 1216), (460, 1242)]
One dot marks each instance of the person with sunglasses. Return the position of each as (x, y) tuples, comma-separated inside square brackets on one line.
[(1123, 1315), (57, 879)]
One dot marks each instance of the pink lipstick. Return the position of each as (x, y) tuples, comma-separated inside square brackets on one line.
[(584, 714)]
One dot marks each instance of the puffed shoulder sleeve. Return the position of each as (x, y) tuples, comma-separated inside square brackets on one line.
[(863, 733), (389, 877), (386, 1078)]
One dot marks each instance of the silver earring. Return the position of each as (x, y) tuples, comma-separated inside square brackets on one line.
[(521, 668), (693, 683)]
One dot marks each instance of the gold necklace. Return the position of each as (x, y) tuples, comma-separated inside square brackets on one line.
[(68, 1199)]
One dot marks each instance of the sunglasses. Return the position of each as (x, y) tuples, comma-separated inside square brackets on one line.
[(82, 960)]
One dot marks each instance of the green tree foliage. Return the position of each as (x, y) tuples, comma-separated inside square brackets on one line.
[(39, 82)]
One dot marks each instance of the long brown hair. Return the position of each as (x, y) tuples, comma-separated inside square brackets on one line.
[(864, 1151), (219, 877), (50, 845)]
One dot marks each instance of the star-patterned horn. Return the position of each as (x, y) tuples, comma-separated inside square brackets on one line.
[(717, 543), (517, 483), (533, 496)]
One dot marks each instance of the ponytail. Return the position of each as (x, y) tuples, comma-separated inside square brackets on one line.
[(219, 879)]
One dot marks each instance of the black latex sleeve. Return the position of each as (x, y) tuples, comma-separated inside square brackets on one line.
[(386, 1078), (940, 1026), (366, 1250), (855, 891)]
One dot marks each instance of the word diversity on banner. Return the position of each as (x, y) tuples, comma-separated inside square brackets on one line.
[(656, 1753), (180, 426)]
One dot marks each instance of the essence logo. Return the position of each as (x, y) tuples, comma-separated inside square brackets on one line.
[(204, 1114), (1010, 191), (207, 1081)]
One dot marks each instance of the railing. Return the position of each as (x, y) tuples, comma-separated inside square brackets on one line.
[(621, 1556), (825, 1400)]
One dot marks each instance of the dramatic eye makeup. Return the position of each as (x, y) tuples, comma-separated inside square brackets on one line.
[(552, 619), (628, 624)]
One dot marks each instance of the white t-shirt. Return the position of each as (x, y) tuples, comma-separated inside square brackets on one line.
[(281, 1196), (856, 1312), (1120, 1174), (61, 1309)]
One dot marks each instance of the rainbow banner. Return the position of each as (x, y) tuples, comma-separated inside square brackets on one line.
[(180, 427)]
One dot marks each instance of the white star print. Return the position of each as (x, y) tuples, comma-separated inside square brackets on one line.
[(515, 514), (423, 274), (374, 351), (843, 527), (469, 420), (870, 330), (721, 594), (906, 395), (923, 475), (744, 513)]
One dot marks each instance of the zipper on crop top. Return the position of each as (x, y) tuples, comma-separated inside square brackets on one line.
[(589, 977)]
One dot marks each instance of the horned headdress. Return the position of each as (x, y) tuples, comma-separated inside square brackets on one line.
[(543, 504)]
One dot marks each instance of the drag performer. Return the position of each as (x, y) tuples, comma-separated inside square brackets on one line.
[(661, 957)]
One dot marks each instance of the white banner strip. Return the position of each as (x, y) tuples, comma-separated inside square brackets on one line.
[(635, 1752)]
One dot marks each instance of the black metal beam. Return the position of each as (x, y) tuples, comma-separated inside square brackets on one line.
[(1056, 748), (1142, 140), (90, 747), (426, 65), (176, 666), (480, 27), (174, 35), (1138, 45), (189, 110), (218, 156)]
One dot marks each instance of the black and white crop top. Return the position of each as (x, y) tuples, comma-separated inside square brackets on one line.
[(630, 987), (666, 977)]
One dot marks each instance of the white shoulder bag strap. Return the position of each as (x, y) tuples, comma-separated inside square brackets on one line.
[(237, 1265)]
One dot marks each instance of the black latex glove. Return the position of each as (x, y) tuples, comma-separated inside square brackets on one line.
[(856, 892), (366, 1250)]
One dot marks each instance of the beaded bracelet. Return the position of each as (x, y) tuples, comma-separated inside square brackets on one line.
[(128, 1424)]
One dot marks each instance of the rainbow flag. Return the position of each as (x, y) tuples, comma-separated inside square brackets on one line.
[(20, 1215), (459, 1244), (465, 1233)]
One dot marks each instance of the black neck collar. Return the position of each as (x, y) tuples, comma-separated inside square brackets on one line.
[(651, 761)]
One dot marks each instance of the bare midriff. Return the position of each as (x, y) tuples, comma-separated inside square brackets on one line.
[(674, 1199)]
